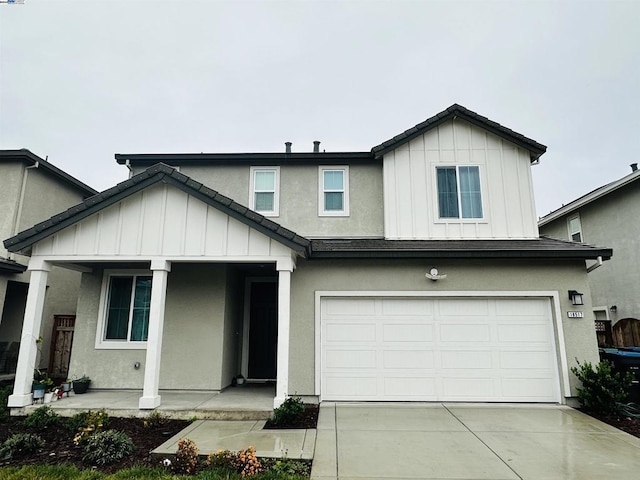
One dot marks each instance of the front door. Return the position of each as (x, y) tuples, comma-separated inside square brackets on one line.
[(263, 330)]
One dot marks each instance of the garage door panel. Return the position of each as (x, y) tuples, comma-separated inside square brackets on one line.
[(348, 359), (468, 387), (351, 387), (407, 307), (526, 360), (463, 307), (408, 359), (465, 333), (410, 387), (471, 353), (407, 332), (524, 333), (461, 359), (351, 332)]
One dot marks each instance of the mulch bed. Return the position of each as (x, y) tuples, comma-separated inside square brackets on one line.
[(60, 449), (309, 419), (630, 425)]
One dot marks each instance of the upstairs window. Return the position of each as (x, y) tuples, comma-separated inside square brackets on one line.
[(333, 191), (127, 313), (264, 190), (575, 229), (459, 193)]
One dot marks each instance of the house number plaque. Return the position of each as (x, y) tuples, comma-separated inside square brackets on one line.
[(575, 314)]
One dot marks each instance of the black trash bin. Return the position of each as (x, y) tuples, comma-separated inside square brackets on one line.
[(625, 360)]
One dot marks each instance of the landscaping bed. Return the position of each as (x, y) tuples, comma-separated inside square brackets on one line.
[(631, 425)]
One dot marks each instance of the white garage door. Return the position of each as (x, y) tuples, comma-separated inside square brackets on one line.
[(444, 349)]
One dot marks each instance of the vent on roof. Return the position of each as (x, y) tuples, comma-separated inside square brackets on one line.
[(316, 146), (634, 167), (287, 147)]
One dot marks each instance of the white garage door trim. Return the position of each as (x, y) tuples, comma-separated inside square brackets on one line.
[(553, 296)]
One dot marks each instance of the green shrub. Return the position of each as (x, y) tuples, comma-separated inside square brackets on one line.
[(221, 459), (21, 444), (4, 397), (287, 467), (42, 417), (155, 419), (603, 390), (105, 448), (290, 411), (77, 421), (94, 422)]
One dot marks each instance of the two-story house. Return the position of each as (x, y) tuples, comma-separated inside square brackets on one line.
[(413, 271), (33, 190), (606, 216)]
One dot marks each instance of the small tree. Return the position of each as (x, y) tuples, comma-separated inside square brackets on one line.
[(603, 390)]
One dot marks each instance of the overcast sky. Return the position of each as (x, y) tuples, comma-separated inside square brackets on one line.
[(81, 81)]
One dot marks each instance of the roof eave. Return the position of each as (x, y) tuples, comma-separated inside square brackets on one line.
[(465, 254)]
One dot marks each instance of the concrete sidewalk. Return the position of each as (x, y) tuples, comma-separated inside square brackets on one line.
[(463, 441), (213, 435)]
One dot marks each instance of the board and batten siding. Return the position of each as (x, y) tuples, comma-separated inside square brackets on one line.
[(160, 221), (411, 202)]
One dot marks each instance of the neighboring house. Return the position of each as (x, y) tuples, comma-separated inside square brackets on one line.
[(413, 271), (32, 190), (606, 215)]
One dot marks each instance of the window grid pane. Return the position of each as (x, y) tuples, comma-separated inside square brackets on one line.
[(141, 305), (265, 181), (119, 307), (447, 192), (333, 180), (470, 197), (333, 201), (264, 202)]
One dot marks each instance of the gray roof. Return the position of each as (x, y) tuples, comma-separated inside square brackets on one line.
[(26, 156), (458, 111), (10, 266), (157, 173), (542, 247), (589, 198)]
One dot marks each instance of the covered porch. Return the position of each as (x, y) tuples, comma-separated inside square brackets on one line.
[(252, 401), (180, 260)]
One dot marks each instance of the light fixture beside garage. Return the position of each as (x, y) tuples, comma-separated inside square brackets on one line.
[(434, 275), (576, 297)]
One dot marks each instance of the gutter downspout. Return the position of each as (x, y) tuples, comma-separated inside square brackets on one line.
[(127, 163), (598, 264)]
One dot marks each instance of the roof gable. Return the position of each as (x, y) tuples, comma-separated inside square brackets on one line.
[(159, 173), (458, 111)]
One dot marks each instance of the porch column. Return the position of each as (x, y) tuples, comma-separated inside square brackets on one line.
[(284, 320), (150, 398), (27, 356)]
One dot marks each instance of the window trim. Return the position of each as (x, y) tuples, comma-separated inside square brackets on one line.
[(101, 342), (579, 231), (276, 193), (459, 218), (322, 212)]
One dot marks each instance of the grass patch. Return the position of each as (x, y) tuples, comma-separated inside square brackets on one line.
[(62, 472)]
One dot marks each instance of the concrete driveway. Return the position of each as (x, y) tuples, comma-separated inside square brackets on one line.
[(463, 441)]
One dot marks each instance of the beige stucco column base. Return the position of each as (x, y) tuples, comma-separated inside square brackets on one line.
[(149, 403)]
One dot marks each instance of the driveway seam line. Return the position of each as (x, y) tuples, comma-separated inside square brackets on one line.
[(482, 441)]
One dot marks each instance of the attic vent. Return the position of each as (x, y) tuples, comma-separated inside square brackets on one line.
[(634, 167), (287, 147), (316, 146)]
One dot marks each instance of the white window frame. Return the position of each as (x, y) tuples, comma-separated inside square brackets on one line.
[(276, 192), (345, 191), (579, 231), (101, 342), (459, 218)]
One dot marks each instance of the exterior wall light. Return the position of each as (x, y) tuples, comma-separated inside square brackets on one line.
[(434, 275), (576, 297), (614, 308)]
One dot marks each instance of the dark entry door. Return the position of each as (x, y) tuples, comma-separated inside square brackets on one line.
[(61, 342), (263, 330)]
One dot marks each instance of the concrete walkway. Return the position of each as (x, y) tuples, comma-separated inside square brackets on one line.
[(213, 435), (464, 442)]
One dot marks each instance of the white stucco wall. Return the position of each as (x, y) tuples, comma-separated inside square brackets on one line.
[(411, 202)]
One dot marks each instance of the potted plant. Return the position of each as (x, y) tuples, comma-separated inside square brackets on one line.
[(66, 387), (41, 383), (81, 385)]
